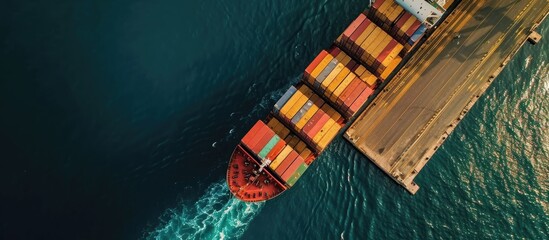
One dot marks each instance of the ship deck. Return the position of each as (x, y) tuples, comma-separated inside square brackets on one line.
[(405, 124), (244, 184)]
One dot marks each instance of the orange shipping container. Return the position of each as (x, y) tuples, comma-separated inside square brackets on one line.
[(360, 29), (276, 150), (351, 29), (286, 163), (355, 93), (316, 103), (360, 100), (329, 136), (390, 68), (306, 94), (323, 130), (347, 92), (331, 112), (372, 39), (342, 87), (338, 79), (383, 39), (382, 45), (331, 77), (315, 63), (292, 168), (363, 37), (319, 68), (281, 156)]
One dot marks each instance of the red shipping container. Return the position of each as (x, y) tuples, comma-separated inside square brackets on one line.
[(263, 141), (412, 29), (385, 52), (348, 90), (353, 96), (317, 126), (355, 46), (252, 132), (363, 25), (401, 21), (286, 162), (292, 168), (261, 132), (315, 62), (360, 100), (354, 25), (276, 149), (314, 119), (334, 51)]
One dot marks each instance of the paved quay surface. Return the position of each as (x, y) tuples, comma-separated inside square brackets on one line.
[(405, 124)]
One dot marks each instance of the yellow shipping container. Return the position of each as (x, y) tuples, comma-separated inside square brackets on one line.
[(290, 103), (306, 94), (394, 53), (384, 7), (346, 59), (363, 36), (390, 68), (281, 156), (369, 78), (332, 132), (340, 56), (360, 70), (382, 45), (333, 85), (395, 11), (382, 39), (342, 87), (371, 40), (407, 25), (323, 130), (319, 68), (339, 67), (308, 115)]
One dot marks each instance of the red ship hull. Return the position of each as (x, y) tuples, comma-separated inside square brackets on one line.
[(245, 184)]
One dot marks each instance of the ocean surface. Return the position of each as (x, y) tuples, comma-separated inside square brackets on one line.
[(118, 119)]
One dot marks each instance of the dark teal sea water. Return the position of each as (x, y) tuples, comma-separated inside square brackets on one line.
[(118, 119)]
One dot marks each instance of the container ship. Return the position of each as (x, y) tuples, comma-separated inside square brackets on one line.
[(276, 152)]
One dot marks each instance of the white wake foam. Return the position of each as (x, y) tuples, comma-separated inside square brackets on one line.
[(216, 215)]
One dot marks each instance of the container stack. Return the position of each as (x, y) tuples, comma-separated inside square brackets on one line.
[(335, 85), (293, 141), (312, 119), (333, 76), (266, 144), (400, 24), (371, 45)]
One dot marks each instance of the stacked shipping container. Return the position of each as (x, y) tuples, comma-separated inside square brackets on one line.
[(371, 45), (400, 24), (336, 84), (333, 76), (313, 120), (266, 144)]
